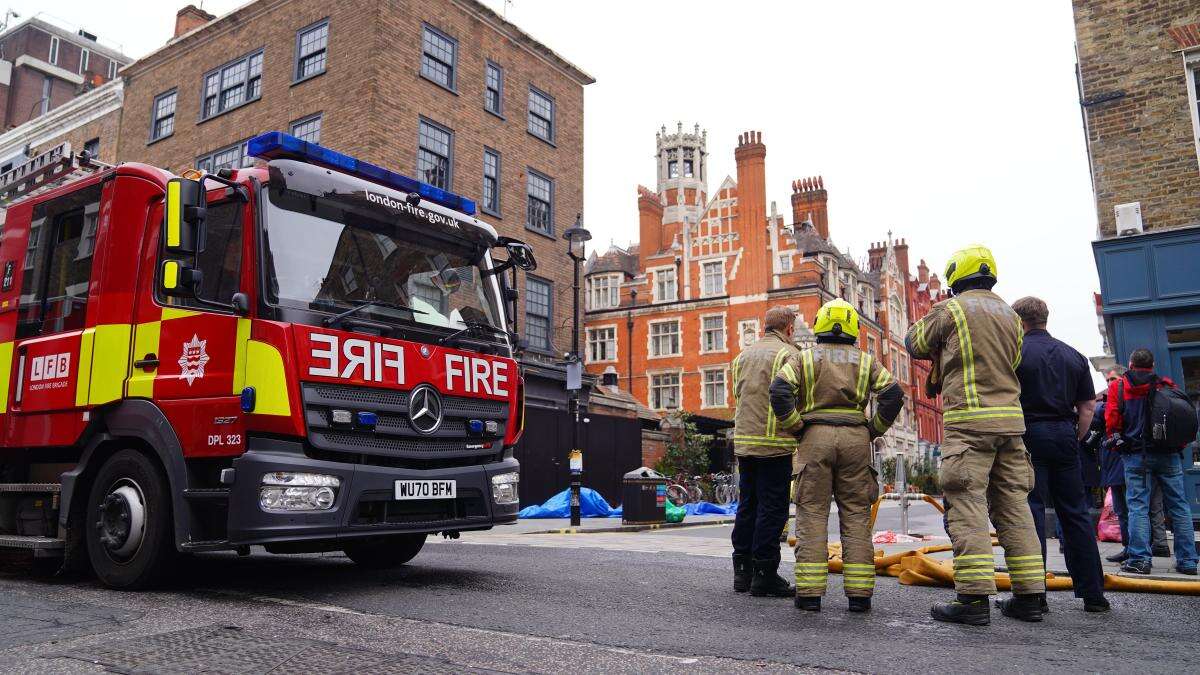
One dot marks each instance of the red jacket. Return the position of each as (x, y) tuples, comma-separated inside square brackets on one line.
[(1137, 383)]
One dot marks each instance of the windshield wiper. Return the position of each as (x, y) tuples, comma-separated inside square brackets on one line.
[(471, 327), (337, 318)]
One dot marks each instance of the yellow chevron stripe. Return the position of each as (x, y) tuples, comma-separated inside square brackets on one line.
[(809, 381), (970, 393), (1020, 341), (864, 371)]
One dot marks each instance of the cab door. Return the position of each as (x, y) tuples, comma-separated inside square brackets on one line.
[(54, 336), (186, 347)]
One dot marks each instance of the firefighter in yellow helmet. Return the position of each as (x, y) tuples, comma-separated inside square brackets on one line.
[(827, 388), (974, 342)]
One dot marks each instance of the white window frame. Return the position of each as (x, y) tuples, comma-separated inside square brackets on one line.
[(112, 69), (655, 271), (742, 325), (678, 321), (589, 332), (704, 267), (724, 334), (1191, 69), (85, 60), (55, 46), (896, 316), (785, 263), (678, 373), (612, 290), (705, 403)]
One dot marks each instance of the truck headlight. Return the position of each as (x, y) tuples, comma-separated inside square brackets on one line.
[(290, 491), (504, 487)]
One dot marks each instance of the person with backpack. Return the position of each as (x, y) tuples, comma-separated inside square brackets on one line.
[(1148, 420), (1112, 477)]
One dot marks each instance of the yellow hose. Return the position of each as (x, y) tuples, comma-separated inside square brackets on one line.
[(915, 568)]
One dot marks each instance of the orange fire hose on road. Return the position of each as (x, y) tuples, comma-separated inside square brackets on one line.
[(917, 568)]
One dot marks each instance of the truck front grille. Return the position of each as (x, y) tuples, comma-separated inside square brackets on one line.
[(393, 437), (378, 508)]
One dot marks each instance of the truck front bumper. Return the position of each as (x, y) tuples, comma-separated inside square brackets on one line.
[(365, 503)]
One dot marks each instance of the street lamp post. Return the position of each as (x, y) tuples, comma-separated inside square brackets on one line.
[(575, 236), (629, 342)]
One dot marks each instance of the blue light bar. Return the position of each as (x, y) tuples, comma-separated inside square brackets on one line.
[(278, 145)]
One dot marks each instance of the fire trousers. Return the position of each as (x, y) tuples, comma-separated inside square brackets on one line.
[(834, 461), (990, 476)]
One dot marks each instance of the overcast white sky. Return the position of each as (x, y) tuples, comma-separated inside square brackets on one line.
[(948, 123)]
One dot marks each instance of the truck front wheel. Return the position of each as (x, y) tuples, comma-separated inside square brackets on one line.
[(128, 529), (384, 552)]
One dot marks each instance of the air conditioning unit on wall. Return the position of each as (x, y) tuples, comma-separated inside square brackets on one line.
[(1129, 218)]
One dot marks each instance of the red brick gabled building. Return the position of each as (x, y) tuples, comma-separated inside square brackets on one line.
[(670, 313)]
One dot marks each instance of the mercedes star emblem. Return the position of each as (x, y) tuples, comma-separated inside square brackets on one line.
[(425, 409), (424, 351)]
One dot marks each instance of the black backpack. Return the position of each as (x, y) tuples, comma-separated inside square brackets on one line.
[(1170, 418)]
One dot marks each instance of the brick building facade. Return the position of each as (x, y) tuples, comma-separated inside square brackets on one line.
[(924, 290), (448, 92), (44, 66), (670, 313), (1139, 86)]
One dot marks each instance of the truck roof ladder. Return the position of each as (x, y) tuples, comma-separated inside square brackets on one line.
[(45, 172)]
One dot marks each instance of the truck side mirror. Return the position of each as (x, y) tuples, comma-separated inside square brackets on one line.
[(178, 279), (520, 254), (184, 215)]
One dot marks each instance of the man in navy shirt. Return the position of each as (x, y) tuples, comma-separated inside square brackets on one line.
[(1058, 398)]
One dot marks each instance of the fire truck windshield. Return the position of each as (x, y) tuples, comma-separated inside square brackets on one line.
[(334, 242)]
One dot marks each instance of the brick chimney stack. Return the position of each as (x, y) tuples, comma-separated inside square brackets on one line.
[(189, 18), (650, 224), (810, 199), (901, 247), (754, 271), (875, 255), (923, 272)]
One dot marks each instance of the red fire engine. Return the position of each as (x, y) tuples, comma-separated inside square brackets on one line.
[(309, 355)]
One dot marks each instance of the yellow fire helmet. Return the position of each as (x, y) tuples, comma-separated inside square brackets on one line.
[(837, 317), (971, 262)]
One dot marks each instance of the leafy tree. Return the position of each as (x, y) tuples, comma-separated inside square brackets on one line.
[(687, 453)]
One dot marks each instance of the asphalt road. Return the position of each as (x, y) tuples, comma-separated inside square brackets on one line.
[(556, 607)]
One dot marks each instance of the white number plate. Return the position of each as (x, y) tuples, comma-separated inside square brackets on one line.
[(426, 489)]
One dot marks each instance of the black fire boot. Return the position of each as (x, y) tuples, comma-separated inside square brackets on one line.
[(967, 609), (808, 603), (742, 572), (1026, 607), (859, 604), (767, 581), (1042, 602)]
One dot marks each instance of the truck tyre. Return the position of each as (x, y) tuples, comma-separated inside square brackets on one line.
[(385, 552), (129, 532)]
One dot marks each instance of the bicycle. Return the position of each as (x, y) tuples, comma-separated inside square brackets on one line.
[(683, 490), (725, 491)]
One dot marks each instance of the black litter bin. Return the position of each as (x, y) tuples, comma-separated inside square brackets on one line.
[(644, 497)]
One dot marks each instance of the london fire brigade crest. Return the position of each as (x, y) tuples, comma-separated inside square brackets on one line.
[(191, 363)]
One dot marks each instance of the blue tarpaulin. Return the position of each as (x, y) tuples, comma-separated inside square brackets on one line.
[(591, 505), (702, 508)]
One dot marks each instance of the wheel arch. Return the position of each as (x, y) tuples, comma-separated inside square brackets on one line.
[(137, 424)]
